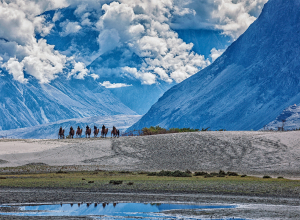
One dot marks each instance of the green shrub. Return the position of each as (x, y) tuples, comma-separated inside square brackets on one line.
[(188, 171), (200, 173), (176, 173), (243, 175), (267, 177), (116, 182), (221, 172), (208, 175), (280, 177), (232, 174)]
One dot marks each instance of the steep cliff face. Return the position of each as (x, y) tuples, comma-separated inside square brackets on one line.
[(24, 105), (248, 86)]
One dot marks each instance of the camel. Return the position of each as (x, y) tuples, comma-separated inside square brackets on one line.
[(104, 131), (88, 132), (115, 132), (96, 131), (72, 132), (61, 133), (78, 132)]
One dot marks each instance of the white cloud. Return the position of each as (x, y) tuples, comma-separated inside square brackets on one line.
[(214, 53), (142, 26), (16, 69), (69, 28), (233, 17), (21, 51), (94, 76), (108, 40), (57, 16), (110, 85), (147, 33), (79, 70)]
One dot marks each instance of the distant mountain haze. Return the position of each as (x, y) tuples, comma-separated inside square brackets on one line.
[(254, 80)]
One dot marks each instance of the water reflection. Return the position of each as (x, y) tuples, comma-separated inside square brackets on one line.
[(113, 211)]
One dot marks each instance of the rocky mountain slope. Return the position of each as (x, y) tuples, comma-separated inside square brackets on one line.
[(30, 104), (255, 79)]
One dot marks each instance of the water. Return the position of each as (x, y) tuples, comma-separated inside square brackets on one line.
[(112, 210)]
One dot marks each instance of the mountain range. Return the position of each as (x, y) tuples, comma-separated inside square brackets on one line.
[(30, 104), (255, 79)]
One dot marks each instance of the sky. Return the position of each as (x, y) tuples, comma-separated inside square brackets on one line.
[(141, 27)]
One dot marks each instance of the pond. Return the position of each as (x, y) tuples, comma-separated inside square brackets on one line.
[(112, 210)]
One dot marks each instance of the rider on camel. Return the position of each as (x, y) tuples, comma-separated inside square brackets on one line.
[(103, 128), (60, 130), (87, 127)]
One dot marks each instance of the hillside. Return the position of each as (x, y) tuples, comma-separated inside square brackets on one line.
[(255, 79)]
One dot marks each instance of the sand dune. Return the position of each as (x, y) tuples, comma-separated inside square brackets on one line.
[(256, 153)]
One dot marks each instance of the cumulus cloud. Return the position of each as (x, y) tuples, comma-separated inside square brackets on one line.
[(147, 34), (69, 28), (144, 27), (233, 17), (20, 49), (214, 53), (110, 85)]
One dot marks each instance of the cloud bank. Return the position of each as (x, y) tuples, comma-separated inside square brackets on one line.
[(144, 27), (21, 51)]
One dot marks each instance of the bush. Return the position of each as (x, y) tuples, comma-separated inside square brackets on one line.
[(116, 182), (243, 175), (208, 175), (60, 171), (267, 177), (176, 173), (280, 177), (188, 171), (200, 173), (232, 174), (221, 172)]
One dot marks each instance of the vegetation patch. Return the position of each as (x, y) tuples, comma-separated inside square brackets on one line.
[(116, 182), (200, 173), (267, 177), (176, 173)]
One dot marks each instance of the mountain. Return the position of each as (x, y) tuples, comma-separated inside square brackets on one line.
[(30, 104), (50, 130), (289, 119), (254, 80)]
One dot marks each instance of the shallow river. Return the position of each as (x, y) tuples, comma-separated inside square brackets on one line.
[(115, 210)]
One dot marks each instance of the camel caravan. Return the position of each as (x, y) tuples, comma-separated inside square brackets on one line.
[(88, 131)]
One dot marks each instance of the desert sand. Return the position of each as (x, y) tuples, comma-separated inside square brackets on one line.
[(245, 152)]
